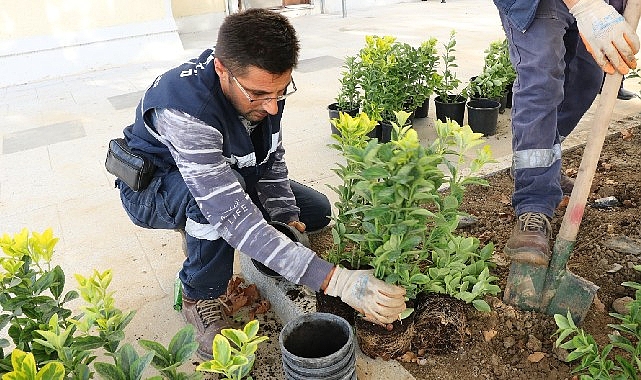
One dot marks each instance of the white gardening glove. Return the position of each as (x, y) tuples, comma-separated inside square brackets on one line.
[(378, 301), (607, 36)]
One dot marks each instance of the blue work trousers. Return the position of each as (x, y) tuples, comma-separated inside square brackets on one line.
[(167, 204), (557, 81)]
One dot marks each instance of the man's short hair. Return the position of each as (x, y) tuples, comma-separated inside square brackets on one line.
[(257, 37)]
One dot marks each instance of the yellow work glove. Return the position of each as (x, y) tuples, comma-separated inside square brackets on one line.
[(607, 36), (378, 301)]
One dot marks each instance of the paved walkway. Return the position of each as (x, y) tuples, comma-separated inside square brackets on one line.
[(55, 133)]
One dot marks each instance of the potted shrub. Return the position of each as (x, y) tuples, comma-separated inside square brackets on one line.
[(393, 218), (486, 91), (349, 95), (499, 53), (425, 59), (449, 102), (394, 78), (497, 75), (384, 86)]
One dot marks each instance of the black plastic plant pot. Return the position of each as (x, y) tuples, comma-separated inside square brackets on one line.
[(453, 108), (318, 346), (291, 233), (385, 132), (334, 113), (422, 111), (482, 116)]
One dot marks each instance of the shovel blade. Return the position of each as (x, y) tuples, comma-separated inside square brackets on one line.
[(525, 286), (574, 294)]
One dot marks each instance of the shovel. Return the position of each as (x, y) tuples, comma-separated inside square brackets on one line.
[(554, 289)]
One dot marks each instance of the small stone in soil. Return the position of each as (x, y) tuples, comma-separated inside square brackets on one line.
[(622, 305)]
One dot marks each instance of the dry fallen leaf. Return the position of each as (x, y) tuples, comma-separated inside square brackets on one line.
[(488, 335), (610, 228), (261, 307), (408, 357), (252, 294), (606, 166), (627, 134), (536, 357)]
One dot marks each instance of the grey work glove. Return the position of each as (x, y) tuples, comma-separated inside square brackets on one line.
[(378, 301)]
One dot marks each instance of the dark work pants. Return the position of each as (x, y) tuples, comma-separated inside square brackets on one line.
[(167, 203), (557, 81)]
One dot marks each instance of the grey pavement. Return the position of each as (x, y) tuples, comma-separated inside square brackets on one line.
[(54, 137)]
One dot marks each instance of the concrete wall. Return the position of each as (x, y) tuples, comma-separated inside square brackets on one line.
[(336, 6), (185, 8), (42, 39)]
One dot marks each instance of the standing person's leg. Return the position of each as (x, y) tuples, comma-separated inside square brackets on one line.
[(583, 78), (539, 57)]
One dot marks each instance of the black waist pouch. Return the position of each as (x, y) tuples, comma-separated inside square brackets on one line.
[(131, 168)]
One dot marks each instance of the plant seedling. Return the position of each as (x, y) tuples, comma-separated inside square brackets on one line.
[(234, 362)]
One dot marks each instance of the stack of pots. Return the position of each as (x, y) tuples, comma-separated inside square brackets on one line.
[(318, 346)]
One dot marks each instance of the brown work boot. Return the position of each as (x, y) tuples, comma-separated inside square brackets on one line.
[(530, 240), (208, 317)]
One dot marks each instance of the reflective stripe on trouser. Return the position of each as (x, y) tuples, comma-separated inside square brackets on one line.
[(168, 204), (550, 60)]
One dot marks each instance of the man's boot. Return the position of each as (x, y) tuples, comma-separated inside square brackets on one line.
[(530, 240), (624, 94), (208, 318)]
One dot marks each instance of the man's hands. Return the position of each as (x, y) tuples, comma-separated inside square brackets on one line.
[(380, 302), (607, 36)]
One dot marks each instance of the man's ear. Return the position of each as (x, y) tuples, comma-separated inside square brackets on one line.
[(218, 66)]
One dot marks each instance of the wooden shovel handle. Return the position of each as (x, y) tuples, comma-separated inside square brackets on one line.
[(576, 207)]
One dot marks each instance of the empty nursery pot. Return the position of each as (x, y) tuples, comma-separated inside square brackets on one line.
[(318, 346), (291, 233)]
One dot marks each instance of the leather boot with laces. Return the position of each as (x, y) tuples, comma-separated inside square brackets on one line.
[(530, 240), (208, 317)]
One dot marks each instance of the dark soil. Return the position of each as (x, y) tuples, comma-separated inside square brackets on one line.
[(377, 341), (508, 343), (334, 305)]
